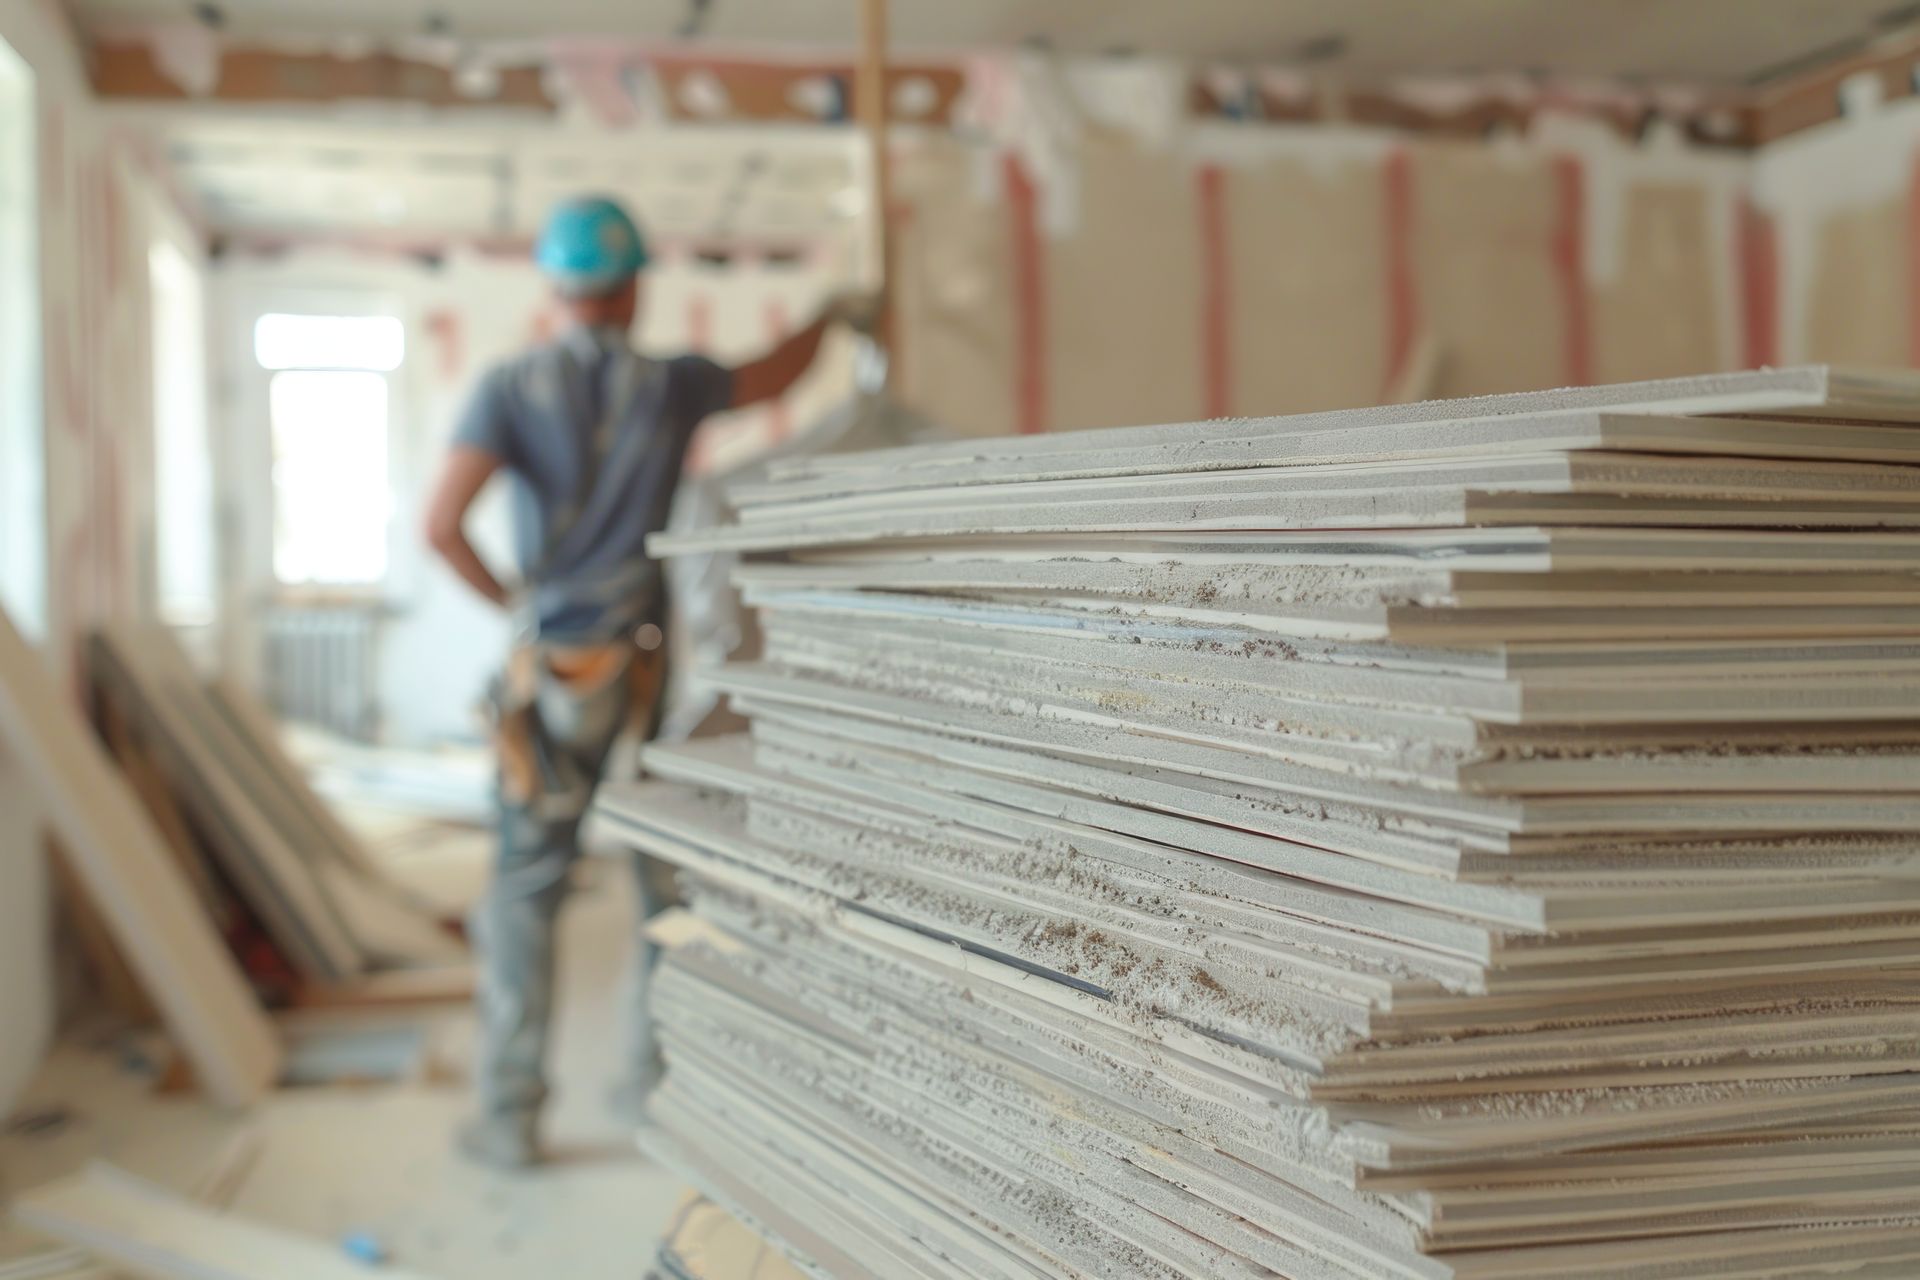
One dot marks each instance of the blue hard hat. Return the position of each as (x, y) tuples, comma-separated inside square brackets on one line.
[(590, 244)]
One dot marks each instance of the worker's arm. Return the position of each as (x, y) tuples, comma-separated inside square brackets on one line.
[(769, 377), (464, 474)]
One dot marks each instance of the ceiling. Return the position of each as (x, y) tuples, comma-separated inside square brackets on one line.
[(426, 183), (1707, 42)]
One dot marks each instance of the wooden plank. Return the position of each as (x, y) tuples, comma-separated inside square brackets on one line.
[(165, 932), (279, 883), (389, 926), (137, 763), (254, 725), (151, 1233)]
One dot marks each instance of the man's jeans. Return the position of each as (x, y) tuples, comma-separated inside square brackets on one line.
[(559, 714)]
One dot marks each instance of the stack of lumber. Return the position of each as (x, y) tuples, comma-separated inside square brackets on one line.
[(205, 877), (1467, 839), (327, 908)]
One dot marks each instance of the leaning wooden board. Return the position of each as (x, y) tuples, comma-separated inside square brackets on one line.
[(146, 1231), (138, 887), (199, 760)]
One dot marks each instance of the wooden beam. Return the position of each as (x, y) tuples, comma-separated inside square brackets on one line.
[(124, 69)]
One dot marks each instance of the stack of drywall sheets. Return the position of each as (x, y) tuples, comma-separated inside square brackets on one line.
[(1470, 839)]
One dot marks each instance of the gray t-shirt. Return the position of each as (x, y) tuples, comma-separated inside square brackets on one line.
[(594, 436)]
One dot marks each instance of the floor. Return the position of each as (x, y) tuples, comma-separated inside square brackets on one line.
[(377, 1159)]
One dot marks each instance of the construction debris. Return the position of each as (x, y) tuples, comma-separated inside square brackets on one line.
[(147, 1231), (1457, 840), (130, 877), (324, 904)]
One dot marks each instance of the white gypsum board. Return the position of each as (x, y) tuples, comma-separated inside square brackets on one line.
[(135, 883), (1506, 550), (1367, 744), (1372, 834), (1887, 1144), (1251, 868), (1886, 1251), (1575, 432), (1457, 1130), (911, 1110), (666, 820), (1431, 509), (1261, 684), (209, 766), (1648, 907), (1622, 905), (1353, 586), (1538, 663), (1621, 474), (1467, 627), (916, 1112), (1263, 719), (1803, 389), (1051, 744)]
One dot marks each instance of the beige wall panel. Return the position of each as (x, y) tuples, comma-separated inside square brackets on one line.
[(1307, 285), (1482, 250), (953, 288), (1858, 296), (1657, 318), (1123, 293)]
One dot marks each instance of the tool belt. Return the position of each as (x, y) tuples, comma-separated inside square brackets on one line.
[(558, 708)]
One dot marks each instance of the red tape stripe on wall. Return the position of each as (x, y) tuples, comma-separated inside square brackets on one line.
[(1216, 293), (1029, 299)]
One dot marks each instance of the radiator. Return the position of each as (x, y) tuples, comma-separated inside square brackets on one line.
[(321, 667)]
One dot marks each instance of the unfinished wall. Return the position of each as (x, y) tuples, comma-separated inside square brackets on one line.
[(1841, 225), (1254, 269), (93, 396)]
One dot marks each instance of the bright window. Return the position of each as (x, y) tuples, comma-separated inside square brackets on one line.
[(183, 459), (282, 341), (23, 472), (331, 499)]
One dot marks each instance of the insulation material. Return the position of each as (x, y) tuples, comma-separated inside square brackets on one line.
[(952, 289), (1859, 298), (1657, 317), (1308, 287), (1483, 231), (1123, 293)]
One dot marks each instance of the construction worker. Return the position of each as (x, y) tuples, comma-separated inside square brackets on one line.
[(594, 435)]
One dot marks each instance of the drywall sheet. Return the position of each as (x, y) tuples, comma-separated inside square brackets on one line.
[(1123, 294), (1858, 295), (1655, 317), (146, 1231), (135, 882), (1307, 285), (953, 288), (1486, 286)]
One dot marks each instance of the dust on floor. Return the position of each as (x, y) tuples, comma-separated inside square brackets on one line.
[(378, 1159)]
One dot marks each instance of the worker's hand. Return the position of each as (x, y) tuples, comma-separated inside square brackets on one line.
[(858, 309)]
